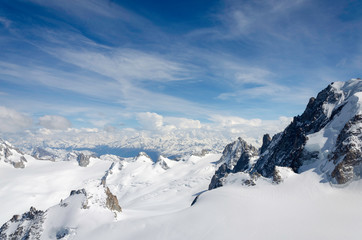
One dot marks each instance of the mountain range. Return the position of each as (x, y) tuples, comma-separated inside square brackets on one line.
[(302, 183)]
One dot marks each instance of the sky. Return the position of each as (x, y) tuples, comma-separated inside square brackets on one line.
[(164, 65)]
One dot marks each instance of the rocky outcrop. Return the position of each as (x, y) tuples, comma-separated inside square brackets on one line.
[(235, 151), (112, 201), (20, 164), (62, 220), (83, 160), (26, 226), (347, 155), (12, 155), (236, 158)]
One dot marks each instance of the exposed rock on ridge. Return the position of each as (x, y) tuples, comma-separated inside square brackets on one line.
[(11, 155), (236, 157), (26, 226), (348, 152), (287, 148)]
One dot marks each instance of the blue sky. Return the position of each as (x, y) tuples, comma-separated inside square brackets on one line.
[(95, 63)]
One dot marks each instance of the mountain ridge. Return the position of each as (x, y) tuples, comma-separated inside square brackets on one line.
[(329, 133)]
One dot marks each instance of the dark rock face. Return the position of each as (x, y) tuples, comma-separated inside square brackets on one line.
[(236, 158), (287, 149), (112, 201), (266, 142), (348, 153), (79, 191), (217, 179), (234, 151), (27, 226), (83, 160)]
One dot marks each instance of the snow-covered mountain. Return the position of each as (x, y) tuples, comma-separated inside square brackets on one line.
[(327, 137), (282, 190), (11, 155)]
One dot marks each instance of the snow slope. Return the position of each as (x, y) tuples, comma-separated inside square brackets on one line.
[(299, 208), (142, 187), (156, 203), (42, 184)]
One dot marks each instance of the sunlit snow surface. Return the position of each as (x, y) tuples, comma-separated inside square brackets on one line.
[(156, 201), (298, 208), (42, 184)]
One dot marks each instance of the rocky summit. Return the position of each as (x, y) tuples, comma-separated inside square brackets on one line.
[(327, 137), (237, 156)]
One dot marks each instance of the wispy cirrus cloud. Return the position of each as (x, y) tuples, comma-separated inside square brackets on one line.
[(5, 22), (125, 64), (254, 59)]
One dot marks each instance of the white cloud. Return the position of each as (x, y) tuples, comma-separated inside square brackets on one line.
[(13, 121), (247, 18), (150, 121), (230, 121), (251, 130), (156, 122), (54, 122), (183, 123)]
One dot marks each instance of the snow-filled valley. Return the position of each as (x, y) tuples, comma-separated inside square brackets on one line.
[(302, 183)]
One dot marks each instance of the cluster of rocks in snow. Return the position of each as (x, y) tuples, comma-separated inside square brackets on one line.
[(33, 224), (26, 226)]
